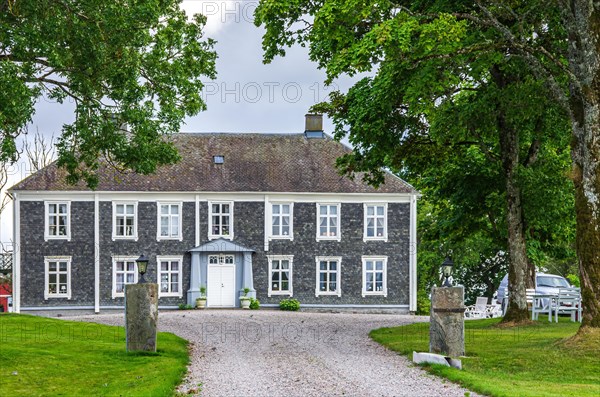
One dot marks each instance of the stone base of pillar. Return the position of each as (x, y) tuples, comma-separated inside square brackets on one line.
[(141, 316), (447, 323)]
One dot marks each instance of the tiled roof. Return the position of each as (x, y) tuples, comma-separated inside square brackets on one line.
[(253, 163)]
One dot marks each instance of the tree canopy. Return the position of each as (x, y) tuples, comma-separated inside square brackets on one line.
[(503, 73), (133, 68)]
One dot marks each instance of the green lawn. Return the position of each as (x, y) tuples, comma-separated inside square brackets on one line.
[(42, 356), (532, 360)]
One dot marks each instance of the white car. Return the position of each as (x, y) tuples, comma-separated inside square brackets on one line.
[(544, 284)]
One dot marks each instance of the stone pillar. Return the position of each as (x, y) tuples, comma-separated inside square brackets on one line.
[(141, 316), (447, 323)]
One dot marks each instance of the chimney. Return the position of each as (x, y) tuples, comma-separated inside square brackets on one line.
[(313, 126)]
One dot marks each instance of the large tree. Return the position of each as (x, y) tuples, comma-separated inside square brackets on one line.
[(132, 68), (556, 43)]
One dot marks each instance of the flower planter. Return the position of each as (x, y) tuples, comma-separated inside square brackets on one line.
[(245, 303), (201, 303)]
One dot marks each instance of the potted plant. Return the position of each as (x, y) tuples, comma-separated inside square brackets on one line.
[(245, 299), (201, 301)]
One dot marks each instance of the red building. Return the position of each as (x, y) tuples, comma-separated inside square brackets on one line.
[(5, 292)]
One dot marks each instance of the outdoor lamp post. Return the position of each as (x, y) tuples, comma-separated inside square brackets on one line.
[(142, 264), (447, 267)]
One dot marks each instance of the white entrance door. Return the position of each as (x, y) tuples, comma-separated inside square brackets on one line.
[(220, 291)]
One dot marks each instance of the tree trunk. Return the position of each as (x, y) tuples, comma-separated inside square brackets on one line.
[(584, 62), (518, 267)]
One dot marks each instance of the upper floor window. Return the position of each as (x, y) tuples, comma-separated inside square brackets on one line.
[(375, 222), (328, 222), (169, 221), (281, 220), (374, 275), (220, 220), (57, 277), (124, 272), (124, 221), (328, 276), (169, 276), (280, 274), (58, 220)]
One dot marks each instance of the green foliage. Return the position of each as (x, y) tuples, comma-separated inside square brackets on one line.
[(246, 291), (202, 291), (183, 306), (441, 97), (139, 64), (291, 305), (254, 304), (82, 359), (423, 302), (574, 280), (534, 360)]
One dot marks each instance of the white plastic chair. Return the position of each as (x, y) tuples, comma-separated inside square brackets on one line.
[(478, 310)]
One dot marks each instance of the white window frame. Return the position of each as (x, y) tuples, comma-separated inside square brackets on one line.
[(272, 236), (338, 236), (365, 259), (290, 258), (384, 237), (47, 235), (135, 220), (338, 291), (116, 259), (159, 216), (160, 259), (212, 236), (47, 260)]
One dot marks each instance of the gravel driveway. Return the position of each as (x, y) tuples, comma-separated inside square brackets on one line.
[(273, 353)]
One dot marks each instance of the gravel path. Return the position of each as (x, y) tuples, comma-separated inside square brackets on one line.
[(273, 353)]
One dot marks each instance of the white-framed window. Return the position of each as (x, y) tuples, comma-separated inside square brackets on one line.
[(169, 221), (169, 275), (58, 220), (374, 275), (280, 274), (124, 272), (328, 275), (282, 219), (328, 222), (57, 277), (125, 220), (375, 222), (221, 259), (220, 219)]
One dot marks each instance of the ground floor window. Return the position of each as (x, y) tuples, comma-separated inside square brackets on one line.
[(374, 275), (124, 272), (169, 276), (280, 275), (328, 276), (58, 277)]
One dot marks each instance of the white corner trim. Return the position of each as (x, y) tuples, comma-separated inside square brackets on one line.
[(17, 253), (267, 222), (338, 291), (197, 202), (96, 254), (412, 254)]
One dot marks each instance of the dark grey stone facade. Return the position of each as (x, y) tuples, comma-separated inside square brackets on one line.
[(248, 231)]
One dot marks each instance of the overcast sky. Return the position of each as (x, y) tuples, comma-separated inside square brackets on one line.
[(247, 95)]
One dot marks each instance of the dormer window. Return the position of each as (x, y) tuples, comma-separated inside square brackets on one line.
[(219, 159)]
